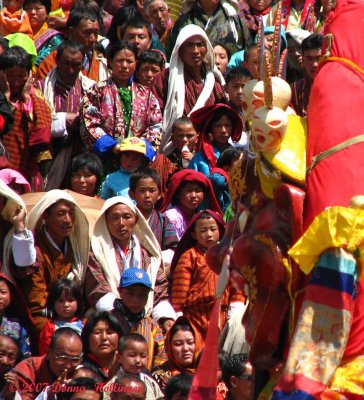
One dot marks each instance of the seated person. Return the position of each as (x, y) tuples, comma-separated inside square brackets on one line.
[(100, 337), (181, 148), (150, 63), (13, 19), (45, 39), (178, 387), (237, 376), (134, 153), (132, 357), (35, 373), (183, 346)]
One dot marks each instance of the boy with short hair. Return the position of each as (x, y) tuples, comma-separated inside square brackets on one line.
[(235, 79), (135, 285), (134, 153), (183, 134), (145, 190), (150, 63)]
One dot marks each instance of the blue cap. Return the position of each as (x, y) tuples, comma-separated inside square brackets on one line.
[(135, 276)]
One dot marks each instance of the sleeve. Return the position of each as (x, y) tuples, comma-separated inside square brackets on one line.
[(45, 337), (169, 234), (106, 191), (159, 356), (154, 122), (181, 282), (159, 90), (23, 249)]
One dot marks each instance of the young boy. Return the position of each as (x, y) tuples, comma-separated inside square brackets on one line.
[(150, 63), (134, 289), (134, 153), (145, 190), (183, 134), (193, 282)]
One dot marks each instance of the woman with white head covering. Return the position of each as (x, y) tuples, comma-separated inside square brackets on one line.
[(191, 81), (60, 229), (122, 239)]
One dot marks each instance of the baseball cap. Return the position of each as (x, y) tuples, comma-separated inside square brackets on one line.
[(138, 145), (135, 276)]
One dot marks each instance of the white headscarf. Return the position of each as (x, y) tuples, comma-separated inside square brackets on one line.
[(104, 251), (79, 237), (176, 87)]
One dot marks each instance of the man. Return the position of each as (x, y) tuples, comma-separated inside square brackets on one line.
[(82, 27), (63, 89), (36, 374), (62, 248), (27, 142), (311, 53), (237, 376), (295, 38), (158, 14), (129, 387)]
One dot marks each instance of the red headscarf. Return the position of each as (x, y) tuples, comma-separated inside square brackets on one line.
[(187, 240), (201, 120), (190, 175)]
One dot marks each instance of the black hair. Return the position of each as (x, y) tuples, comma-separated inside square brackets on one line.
[(71, 289), (78, 385), (144, 173), (179, 384), (4, 43), (123, 15), (219, 113), (223, 358), (228, 156), (130, 378), (119, 45), (92, 5), (79, 14), (181, 121), (237, 72), (135, 337), (150, 57), (234, 366), (46, 3), (249, 50), (203, 215), (85, 161), (70, 45), (138, 22), (312, 42), (224, 45), (184, 327), (92, 322), (65, 331), (15, 57)]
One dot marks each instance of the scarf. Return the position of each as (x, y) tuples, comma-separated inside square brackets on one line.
[(250, 16), (104, 250), (176, 88)]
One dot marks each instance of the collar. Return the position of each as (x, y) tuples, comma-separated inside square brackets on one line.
[(53, 243), (124, 310)]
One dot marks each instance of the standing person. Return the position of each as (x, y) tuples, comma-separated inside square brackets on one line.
[(119, 108), (29, 138), (82, 27), (311, 53), (191, 81)]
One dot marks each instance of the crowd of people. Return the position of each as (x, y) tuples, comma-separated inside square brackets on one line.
[(120, 123)]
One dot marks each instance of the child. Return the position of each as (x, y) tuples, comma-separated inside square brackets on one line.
[(183, 141), (145, 190), (133, 359), (193, 282), (216, 125), (188, 191), (129, 310), (13, 19), (65, 306), (150, 63), (134, 153), (178, 387)]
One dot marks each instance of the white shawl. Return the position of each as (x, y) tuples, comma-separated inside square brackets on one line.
[(79, 237), (104, 251), (176, 86)]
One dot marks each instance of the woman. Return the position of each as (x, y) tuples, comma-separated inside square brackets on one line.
[(45, 39), (84, 174), (182, 345), (118, 107), (192, 63), (100, 337), (222, 56), (122, 238)]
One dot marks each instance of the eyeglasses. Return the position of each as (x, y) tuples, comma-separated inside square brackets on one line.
[(192, 45), (61, 358)]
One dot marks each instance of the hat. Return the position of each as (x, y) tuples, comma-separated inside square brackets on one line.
[(298, 34), (135, 276), (138, 145)]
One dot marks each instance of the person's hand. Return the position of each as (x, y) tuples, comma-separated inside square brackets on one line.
[(18, 220), (25, 93), (167, 324), (57, 384), (11, 379), (4, 85), (56, 22), (187, 155)]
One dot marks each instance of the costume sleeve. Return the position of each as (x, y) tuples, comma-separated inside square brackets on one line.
[(322, 329), (181, 281), (95, 285), (45, 337)]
